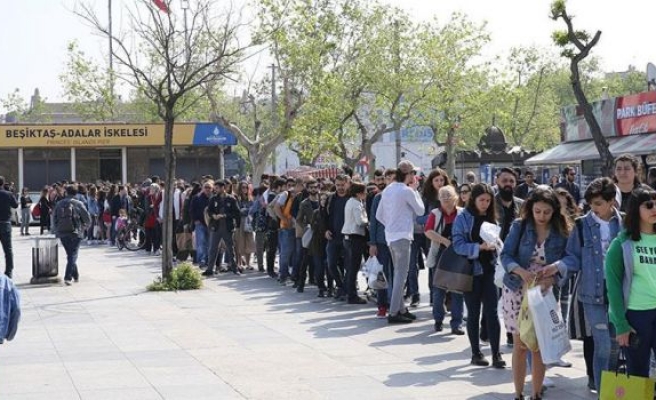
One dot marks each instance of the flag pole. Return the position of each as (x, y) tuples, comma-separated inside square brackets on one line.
[(111, 58)]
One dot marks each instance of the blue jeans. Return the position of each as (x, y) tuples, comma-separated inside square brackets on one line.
[(201, 244), (439, 312), (71, 245), (596, 315), (287, 239), (637, 359), (5, 240), (383, 296)]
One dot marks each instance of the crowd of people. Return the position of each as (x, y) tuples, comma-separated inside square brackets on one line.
[(595, 249)]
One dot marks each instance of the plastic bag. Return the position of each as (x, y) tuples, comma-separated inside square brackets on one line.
[(306, 240), (550, 328), (375, 275), (526, 325)]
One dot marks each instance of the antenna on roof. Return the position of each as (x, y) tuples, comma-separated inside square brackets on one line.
[(651, 77)]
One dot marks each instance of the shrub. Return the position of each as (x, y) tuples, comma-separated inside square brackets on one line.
[(183, 277)]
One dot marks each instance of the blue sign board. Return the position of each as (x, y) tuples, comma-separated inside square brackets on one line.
[(210, 134)]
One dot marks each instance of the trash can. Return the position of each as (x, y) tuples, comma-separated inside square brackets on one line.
[(45, 259)]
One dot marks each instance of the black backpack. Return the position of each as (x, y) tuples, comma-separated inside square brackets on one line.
[(66, 217)]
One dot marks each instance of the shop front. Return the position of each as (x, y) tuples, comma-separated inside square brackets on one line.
[(628, 122), (35, 155)]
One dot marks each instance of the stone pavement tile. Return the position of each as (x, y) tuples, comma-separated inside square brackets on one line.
[(66, 394), (141, 340), (145, 393), (100, 375), (34, 378), (174, 375), (199, 392), (149, 359)]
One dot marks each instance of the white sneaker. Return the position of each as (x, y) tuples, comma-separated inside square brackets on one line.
[(548, 382)]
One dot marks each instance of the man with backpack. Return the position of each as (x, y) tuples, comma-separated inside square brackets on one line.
[(70, 221)]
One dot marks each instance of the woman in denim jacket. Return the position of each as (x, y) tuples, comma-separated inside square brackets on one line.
[(466, 241), (597, 228), (536, 240)]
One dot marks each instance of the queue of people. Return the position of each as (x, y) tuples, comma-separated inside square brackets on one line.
[(599, 265)]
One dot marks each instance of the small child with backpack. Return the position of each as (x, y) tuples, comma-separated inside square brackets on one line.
[(121, 228)]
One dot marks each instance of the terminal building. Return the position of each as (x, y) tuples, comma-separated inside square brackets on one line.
[(34, 155)]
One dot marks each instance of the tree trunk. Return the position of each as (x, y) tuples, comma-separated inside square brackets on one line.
[(167, 223), (259, 165), (451, 152), (601, 143)]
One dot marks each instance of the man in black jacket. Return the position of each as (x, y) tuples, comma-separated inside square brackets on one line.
[(69, 228), (7, 202), (223, 213)]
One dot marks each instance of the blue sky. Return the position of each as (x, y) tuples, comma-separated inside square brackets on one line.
[(35, 33)]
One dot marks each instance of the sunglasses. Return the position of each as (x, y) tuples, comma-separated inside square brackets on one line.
[(649, 204), (465, 191)]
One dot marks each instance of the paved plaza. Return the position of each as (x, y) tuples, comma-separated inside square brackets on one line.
[(237, 338)]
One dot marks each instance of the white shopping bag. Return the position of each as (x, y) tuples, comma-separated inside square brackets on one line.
[(375, 275), (550, 328), (490, 233)]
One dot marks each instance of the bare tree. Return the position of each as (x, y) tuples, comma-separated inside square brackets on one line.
[(168, 61), (577, 46)]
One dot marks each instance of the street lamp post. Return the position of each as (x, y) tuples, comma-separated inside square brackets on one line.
[(184, 4)]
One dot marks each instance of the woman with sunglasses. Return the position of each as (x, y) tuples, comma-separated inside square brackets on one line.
[(464, 193), (535, 242), (466, 241), (630, 269)]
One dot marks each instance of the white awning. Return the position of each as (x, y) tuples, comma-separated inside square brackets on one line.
[(570, 152)]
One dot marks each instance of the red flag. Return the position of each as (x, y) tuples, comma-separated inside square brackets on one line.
[(161, 5)]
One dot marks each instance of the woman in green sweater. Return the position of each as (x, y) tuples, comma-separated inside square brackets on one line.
[(630, 270)]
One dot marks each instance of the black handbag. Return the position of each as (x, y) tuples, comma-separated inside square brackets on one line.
[(454, 272)]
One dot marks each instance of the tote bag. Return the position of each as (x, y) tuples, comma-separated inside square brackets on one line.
[(550, 328), (454, 272), (617, 385)]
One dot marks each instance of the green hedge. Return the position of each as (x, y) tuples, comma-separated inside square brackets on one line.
[(183, 277)]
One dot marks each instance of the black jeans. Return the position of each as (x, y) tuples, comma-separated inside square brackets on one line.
[(5, 239), (271, 249), (354, 247), (153, 238), (336, 256), (484, 293)]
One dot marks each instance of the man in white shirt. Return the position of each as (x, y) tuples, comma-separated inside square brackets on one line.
[(400, 205)]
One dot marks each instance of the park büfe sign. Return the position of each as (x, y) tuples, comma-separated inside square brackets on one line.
[(620, 116), (112, 135)]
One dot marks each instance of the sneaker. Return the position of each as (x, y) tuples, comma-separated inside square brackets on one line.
[(409, 315), (438, 327), (382, 312), (547, 382), (322, 293), (591, 384), (415, 300), (208, 272), (563, 364), (76, 280), (157, 253), (357, 300), (398, 319), (300, 289), (68, 282), (479, 360)]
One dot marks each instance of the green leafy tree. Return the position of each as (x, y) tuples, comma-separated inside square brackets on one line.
[(23, 111), (168, 65)]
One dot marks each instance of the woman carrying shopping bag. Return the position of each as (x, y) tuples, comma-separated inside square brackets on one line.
[(535, 241), (630, 269), (466, 241)]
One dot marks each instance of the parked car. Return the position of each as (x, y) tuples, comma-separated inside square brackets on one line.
[(16, 214)]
